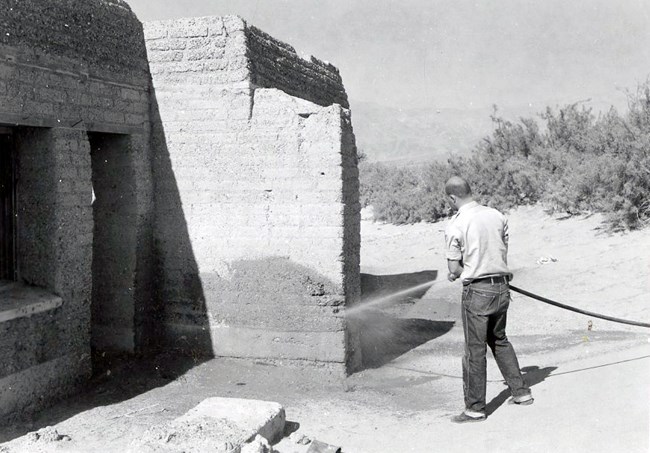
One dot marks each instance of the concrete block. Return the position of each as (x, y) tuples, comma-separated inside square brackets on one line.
[(232, 24), (274, 312), (154, 30), (212, 43), (258, 417), (251, 343), (220, 425), (188, 31), (216, 30), (165, 56), (316, 446), (167, 44), (204, 54)]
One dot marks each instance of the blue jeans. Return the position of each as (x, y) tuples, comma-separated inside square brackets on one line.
[(484, 311)]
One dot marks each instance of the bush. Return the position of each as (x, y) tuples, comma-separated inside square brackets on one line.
[(576, 163), (403, 194)]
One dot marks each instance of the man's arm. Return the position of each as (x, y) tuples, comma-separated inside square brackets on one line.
[(453, 252), (455, 269)]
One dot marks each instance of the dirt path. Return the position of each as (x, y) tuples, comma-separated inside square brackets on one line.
[(591, 386)]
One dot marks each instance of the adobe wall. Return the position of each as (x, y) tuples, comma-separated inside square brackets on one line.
[(256, 191), (66, 68), (199, 194)]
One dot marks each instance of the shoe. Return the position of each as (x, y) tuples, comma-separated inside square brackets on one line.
[(463, 417), (524, 400)]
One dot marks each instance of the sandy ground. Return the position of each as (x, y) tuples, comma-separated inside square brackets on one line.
[(595, 271), (591, 386)]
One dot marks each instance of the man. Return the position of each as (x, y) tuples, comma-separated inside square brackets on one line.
[(476, 249)]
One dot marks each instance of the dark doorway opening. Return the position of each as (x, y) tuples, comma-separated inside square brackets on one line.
[(7, 205), (114, 246)]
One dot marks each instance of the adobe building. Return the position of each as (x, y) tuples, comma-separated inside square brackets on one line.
[(192, 186)]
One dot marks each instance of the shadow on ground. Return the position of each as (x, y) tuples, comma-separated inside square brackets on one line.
[(374, 286), (122, 377), (533, 376), (383, 335)]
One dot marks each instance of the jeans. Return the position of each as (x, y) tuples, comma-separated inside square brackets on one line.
[(484, 312)]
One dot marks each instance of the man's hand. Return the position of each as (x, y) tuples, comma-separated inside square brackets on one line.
[(455, 269)]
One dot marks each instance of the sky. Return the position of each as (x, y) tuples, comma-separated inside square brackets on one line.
[(457, 54)]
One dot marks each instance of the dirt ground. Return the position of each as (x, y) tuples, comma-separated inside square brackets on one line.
[(591, 387)]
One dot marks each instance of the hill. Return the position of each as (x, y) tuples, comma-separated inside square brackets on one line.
[(389, 134), (402, 136)]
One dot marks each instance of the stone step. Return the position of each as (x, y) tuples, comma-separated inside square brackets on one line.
[(220, 425)]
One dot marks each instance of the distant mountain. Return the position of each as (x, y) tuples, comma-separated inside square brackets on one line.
[(387, 134), (403, 136)]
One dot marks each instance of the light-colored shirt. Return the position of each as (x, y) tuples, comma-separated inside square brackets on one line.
[(478, 236)]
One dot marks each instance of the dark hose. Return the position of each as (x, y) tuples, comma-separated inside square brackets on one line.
[(577, 310)]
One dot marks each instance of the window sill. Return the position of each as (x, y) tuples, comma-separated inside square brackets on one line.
[(21, 301)]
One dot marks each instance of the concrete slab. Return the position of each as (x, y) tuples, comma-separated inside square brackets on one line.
[(219, 425)]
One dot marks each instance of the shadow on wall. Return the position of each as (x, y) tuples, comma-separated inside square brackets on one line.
[(383, 335), (177, 284), (121, 376)]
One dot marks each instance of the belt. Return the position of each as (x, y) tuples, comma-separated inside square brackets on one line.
[(492, 280)]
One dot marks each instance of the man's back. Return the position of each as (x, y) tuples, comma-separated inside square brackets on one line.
[(478, 236)]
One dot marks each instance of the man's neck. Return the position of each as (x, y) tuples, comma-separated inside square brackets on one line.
[(462, 202)]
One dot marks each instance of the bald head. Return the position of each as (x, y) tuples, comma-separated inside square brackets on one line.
[(458, 186)]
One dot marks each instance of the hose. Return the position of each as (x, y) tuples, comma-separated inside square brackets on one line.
[(578, 310)]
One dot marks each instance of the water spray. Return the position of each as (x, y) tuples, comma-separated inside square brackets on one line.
[(373, 303)]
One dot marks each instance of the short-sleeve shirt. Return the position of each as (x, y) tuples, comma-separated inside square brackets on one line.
[(478, 236)]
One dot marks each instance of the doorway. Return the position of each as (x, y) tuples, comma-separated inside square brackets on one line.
[(7, 205), (114, 244)]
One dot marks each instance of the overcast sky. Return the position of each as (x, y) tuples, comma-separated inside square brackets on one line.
[(456, 53)]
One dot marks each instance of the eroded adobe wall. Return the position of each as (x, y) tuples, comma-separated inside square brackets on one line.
[(66, 68), (256, 195), (274, 64), (73, 64)]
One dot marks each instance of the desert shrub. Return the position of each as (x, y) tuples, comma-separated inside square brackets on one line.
[(404, 194), (568, 159), (605, 167), (504, 170), (400, 201), (371, 177), (434, 201)]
